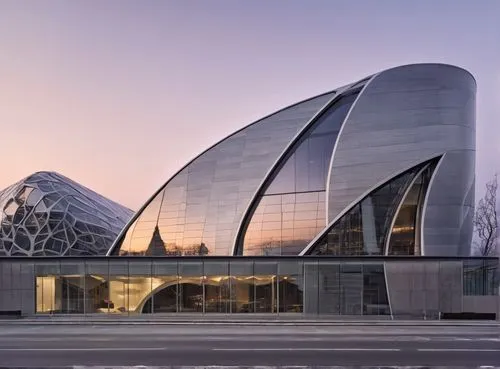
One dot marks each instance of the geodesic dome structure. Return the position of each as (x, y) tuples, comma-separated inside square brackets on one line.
[(47, 214)]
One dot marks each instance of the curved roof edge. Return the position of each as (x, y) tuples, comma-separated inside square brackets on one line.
[(370, 76), (445, 65), (139, 212), (341, 91)]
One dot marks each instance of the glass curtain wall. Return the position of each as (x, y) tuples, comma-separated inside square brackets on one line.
[(164, 297), (48, 288), (191, 287), (266, 286), (334, 288), (242, 287), (198, 211), (290, 211), (140, 284), (291, 287), (97, 287), (368, 226), (217, 287), (481, 277), (119, 287), (72, 284), (404, 235)]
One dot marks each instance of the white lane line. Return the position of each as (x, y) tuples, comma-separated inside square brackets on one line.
[(306, 349), (88, 349), (459, 350)]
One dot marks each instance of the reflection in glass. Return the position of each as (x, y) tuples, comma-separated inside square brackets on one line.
[(329, 288), (480, 278), (48, 292), (375, 301), (118, 287), (140, 235), (340, 288), (164, 299), (97, 288), (291, 294), (266, 291), (242, 286), (72, 286), (351, 287), (217, 294), (199, 210), (46, 301), (306, 166), (242, 294), (291, 287), (190, 295), (61, 294), (291, 210), (164, 291), (266, 288), (190, 286), (285, 224), (263, 285), (217, 287), (364, 229), (139, 286), (403, 238)]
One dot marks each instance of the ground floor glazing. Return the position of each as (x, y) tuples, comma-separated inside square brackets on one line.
[(390, 287)]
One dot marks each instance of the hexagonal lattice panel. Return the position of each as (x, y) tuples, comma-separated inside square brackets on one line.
[(48, 214)]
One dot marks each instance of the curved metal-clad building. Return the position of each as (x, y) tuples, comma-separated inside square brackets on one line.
[(383, 166), (378, 168)]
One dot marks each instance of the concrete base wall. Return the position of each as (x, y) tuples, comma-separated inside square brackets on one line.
[(481, 304)]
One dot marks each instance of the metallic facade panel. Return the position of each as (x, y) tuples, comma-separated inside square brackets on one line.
[(405, 116), (199, 210), (398, 119), (424, 289)]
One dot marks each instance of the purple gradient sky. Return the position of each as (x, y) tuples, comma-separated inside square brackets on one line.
[(118, 95)]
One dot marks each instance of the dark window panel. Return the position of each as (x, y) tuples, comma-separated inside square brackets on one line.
[(365, 228)]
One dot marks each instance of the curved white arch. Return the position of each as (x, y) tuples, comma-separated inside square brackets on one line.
[(337, 140), (424, 207)]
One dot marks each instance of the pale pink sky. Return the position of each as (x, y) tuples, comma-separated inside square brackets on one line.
[(118, 95)]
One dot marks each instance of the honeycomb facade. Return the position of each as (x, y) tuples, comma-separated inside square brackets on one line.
[(47, 214)]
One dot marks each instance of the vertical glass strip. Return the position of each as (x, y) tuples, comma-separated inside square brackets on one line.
[(405, 233)]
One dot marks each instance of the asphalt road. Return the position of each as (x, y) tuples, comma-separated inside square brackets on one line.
[(248, 345)]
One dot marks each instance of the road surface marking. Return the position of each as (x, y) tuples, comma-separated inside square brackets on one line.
[(306, 349), (459, 349), (88, 349)]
